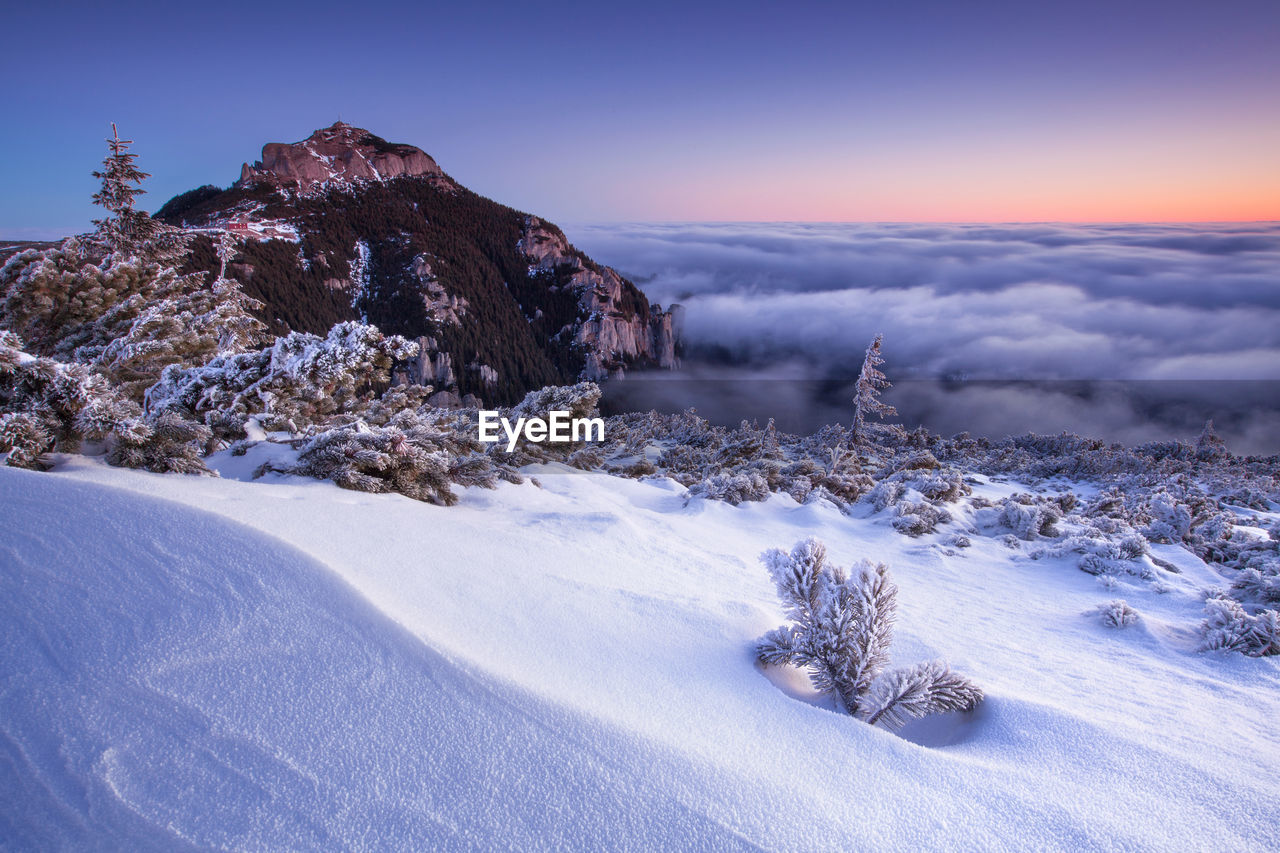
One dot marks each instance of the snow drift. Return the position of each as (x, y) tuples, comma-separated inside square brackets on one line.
[(284, 664)]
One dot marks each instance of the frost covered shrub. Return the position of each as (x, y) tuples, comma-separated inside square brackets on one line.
[(936, 486), (1099, 564), (1117, 614), (843, 480), (1228, 626), (578, 400), (1257, 586), (731, 488), (1132, 546), (1030, 520), (23, 440), (687, 465), (298, 381), (918, 460), (1028, 517), (842, 484), (48, 406), (128, 317), (1170, 520), (165, 443), (586, 459), (915, 518), (1105, 549), (409, 455), (1209, 446), (636, 470), (841, 626)]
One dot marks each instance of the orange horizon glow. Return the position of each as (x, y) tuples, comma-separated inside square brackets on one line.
[(1175, 171)]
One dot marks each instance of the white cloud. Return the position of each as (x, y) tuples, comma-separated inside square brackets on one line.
[(1018, 302)]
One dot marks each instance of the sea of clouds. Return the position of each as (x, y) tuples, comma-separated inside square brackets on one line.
[(1126, 332)]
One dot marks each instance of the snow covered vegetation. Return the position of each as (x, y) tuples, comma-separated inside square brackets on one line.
[(843, 625), (364, 627)]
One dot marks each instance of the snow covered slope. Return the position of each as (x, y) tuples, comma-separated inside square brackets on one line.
[(286, 664)]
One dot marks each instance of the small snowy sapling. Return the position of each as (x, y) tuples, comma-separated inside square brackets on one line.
[(841, 628)]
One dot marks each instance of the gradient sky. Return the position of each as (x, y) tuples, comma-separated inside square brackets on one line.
[(907, 111)]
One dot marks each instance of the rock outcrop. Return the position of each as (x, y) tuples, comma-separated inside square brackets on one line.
[(612, 335), (339, 153)]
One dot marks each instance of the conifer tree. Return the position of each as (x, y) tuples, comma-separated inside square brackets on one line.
[(866, 400), (126, 230), (226, 250)]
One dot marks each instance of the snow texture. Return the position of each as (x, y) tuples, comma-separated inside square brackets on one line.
[(285, 664)]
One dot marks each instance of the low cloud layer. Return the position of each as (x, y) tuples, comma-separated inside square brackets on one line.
[(1023, 304)]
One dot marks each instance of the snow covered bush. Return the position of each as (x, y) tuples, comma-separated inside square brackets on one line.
[(1170, 520), (1258, 586), (1116, 614), (298, 381), (915, 518), (47, 406), (840, 631), (943, 485), (578, 400), (411, 455), (1229, 627), (731, 488), (164, 443), (1029, 517)]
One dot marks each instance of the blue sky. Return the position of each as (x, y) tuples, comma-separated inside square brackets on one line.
[(666, 111)]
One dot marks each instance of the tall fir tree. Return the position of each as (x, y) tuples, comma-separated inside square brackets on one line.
[(126, 230)]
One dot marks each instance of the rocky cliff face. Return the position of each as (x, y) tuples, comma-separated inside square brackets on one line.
[(612, 335), (500, 301), (339, 154)]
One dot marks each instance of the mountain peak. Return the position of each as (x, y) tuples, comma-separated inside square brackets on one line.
[(338, 154)]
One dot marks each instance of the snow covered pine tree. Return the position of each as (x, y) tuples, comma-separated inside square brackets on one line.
[(841, 632), (125, 230), (867, 402)]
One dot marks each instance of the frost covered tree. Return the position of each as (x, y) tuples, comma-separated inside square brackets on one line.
[(840, 631), (117, 299), (1208, 444), (866, 400), (226, 250), (125, 230)]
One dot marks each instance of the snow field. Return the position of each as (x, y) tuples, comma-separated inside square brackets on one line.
[(572, 666)]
